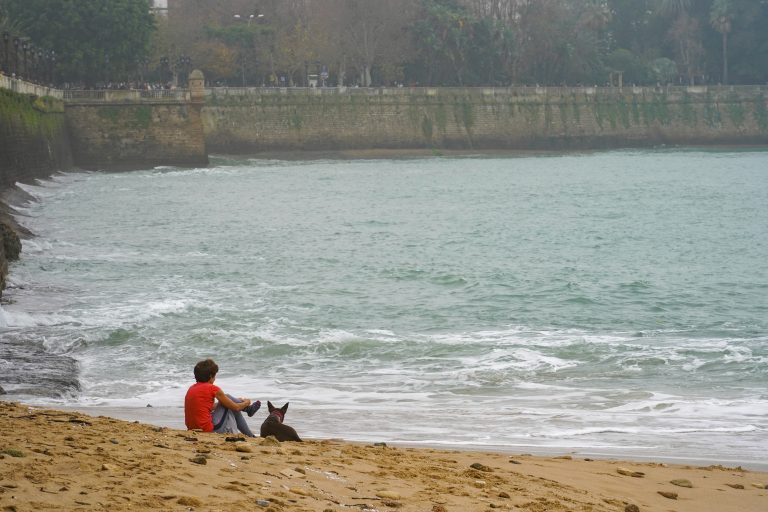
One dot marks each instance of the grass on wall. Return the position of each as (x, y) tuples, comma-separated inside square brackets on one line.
[(33, 114)]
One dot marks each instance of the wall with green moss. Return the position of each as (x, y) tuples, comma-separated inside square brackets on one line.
[(266, 120), (121, 136), (33, 138)]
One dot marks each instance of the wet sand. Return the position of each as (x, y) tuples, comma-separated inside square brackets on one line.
[(65, 460)]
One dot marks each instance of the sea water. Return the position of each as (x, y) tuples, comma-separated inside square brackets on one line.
[(605, 303)]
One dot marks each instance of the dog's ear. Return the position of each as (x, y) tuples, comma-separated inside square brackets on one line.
[(270, 406), (285, 408)]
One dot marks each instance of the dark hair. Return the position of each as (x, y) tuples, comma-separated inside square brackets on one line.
[(206, 369)]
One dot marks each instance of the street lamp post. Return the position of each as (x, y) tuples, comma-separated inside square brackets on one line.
[(53, 67), (251, 18), (25, 47), (16, 44), (40, 66), (6, 59), (47, 68)]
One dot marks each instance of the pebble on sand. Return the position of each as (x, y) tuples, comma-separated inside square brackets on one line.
[(292, 474), (632, 508), (388, 495), (270, 441), (669, 495), (682, 482), (189, 501), (629, 472)]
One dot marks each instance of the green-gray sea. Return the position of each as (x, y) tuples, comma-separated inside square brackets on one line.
[(603, 303)]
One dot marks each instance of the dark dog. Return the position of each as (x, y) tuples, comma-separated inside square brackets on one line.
[(273, 425)]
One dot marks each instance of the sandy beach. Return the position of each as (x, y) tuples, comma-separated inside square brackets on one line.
[(64, 460)]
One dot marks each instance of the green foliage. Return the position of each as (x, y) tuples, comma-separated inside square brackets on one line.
[(441, 117), (530, 111), (30, 112), (467, 114), (623, 112), (143, 116), (563, 108), (453, 47), (664, 70), (737, 113), (48, 104), (712, 115), (295, 120), (736, 110), (655, 109), (687, 112), (112, 114), (760, 113), (576, 109), (93, 39), (661, 107), (635, 110), (547, 116), (426, 128), (633, 68), (13, 452)]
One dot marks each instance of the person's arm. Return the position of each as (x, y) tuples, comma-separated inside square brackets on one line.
[(229, 404)]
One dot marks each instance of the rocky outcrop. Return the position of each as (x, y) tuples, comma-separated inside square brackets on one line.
[(10, 248), (33, 144)]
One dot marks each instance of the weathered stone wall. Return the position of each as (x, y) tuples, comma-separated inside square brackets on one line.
[(33, 144), (33, 138), (552, 118), (121, 136)]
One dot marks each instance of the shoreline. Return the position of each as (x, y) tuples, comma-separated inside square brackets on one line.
[(65, 460), (400, 154), (173, 417)]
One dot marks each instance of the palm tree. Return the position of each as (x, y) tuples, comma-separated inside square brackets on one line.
[(721, 17), (673, 6)]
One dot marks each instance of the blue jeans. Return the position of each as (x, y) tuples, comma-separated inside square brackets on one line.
[(223, 417)]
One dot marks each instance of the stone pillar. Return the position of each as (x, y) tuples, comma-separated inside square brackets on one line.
[(197, 86)]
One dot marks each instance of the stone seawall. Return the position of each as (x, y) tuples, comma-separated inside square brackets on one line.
[(34, 143), (531, 118), (120, 136)]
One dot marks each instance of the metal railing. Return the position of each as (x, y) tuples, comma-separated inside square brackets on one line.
[(24, 87), (125, 95), (522, 90), (183, 95)]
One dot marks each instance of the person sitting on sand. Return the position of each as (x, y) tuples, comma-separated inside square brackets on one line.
[(226, 417)]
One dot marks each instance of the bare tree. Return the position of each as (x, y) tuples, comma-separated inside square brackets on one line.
[(368, 34)]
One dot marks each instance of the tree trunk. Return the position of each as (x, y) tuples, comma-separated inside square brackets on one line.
[(367, 71), (725, 57)]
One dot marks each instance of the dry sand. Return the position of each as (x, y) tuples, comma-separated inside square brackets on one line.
[(69, 461)]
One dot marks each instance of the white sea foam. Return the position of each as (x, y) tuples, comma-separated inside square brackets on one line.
[(300, 298)]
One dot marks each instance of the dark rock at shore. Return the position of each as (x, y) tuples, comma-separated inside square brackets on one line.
[(33, 371), (10, 248), (3, 269), (11, 242), (2, 391)]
